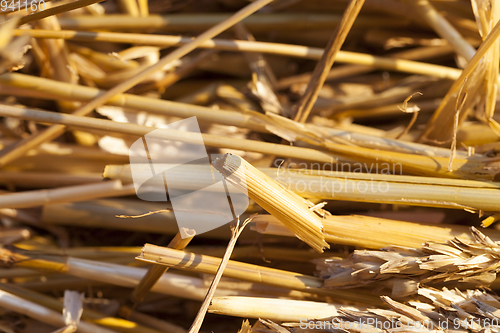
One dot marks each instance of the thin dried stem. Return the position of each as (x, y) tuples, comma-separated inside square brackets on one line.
[(322, 68), (438, 128), (200, 316), (444, 28), (156, 271), (413, 110)]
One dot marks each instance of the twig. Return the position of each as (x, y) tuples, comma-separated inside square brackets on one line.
[(179, 242), (323, 66), (462, 97), (413, 110), (200, 316)]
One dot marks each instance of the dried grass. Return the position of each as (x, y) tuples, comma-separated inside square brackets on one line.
[(308, 104)]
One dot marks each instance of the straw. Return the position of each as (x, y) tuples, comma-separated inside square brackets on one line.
[(264, 47), (357, 230), (54, 131), (444, 29), (56, 10), (273, 309), (304, 106), (246, 272), (68, 194), (438, 128), (139, 130), (179, 242), (325, 181), (43, 314), (287, 207)]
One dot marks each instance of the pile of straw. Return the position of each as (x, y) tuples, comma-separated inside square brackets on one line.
[(363, 132)]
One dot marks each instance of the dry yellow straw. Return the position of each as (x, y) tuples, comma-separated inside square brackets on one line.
[(299, 51), (286, 206), (43, 314), (139, 130), (66, 194), (56, 10), (444, 28), (54, 131), (89, 315), (435, 130), (156, 271), (246, 272), (273, 309), (356, 230)]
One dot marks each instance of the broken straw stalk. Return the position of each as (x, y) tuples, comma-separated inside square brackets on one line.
[(179, 242), (177, 285), (53, 89), (288, 207), (470, 168), (357, 230), (89, 315), (435, 311), (471, 265), (316, 181), (247, 272), (274, 309)]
